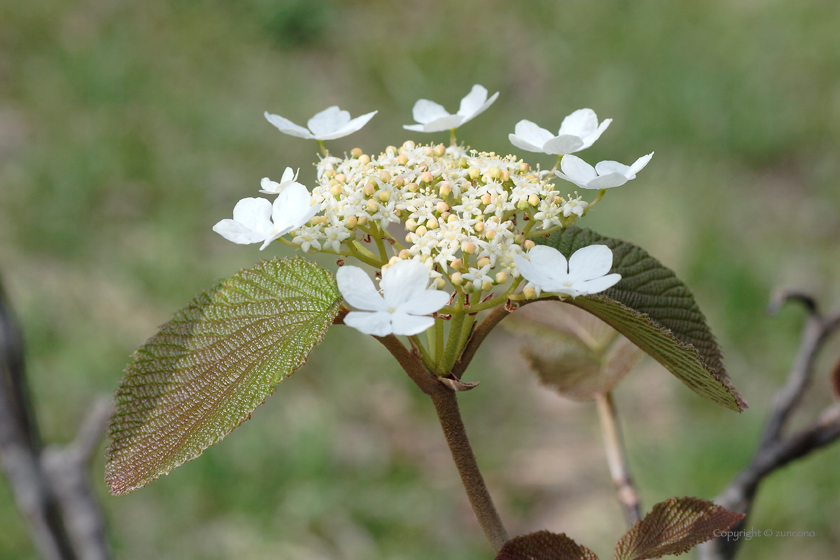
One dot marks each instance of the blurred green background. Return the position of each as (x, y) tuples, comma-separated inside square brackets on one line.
[(127, 129)]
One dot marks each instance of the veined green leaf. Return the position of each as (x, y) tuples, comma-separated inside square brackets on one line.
[(208, 368), (657, 312)]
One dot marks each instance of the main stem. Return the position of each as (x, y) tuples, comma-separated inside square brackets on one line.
[(617, 459), (446, 406)]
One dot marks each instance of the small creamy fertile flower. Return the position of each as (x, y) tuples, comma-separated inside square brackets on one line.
[(257, 220), (329, 124), (434, 118), (604, 175), (577, 132), (585, 273), (406, 303), (273, 187)]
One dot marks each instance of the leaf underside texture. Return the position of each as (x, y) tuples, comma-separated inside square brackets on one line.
[(657, 312), (208, 368)]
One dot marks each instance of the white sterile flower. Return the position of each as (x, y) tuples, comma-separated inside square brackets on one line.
[(329, 124), (257, 220), (406, 303), (604, 175), (434, 118), (577, 132), (585, 273), (272, 187)]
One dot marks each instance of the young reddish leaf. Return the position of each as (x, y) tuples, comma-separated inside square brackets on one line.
[(544, 545), (673, 527), (208, 368), (657, 312)]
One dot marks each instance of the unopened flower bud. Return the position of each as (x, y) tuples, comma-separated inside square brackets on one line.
[(469, 288), (363, 220), (405, 254), (445, 189), (486, 199), (441, 207), (533, 200), (431, 223), (341, 178), (491, 233), (528, 245), (403, 159), (452, 218), (369, 189), (494, 173), (429, 151), (384, 196), (336, 190), (469, 247), (440, 150), (426, 177), (372, 205), (408, 237), (333, 183), (413, 187), (329, 173), (486, 286), (462, 162), (391, 150), (444, 216), (421, 231), (356, 152), (479, 227), (457, 264), (457, 279), (440, 283), (474, 173), (482, 262), (519, 239), (505, 176), (384, 176), (524, 167), (351, 222), (501, 277), (522, 204), (364, 159), (408, 145), (399, 182), (410, 224), (529, 292)]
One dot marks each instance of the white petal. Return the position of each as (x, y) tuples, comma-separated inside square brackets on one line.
[(236, 232), (577, 170), (426, 111), (569, 179), (403, 280), (590, 139), (289, 175), (563, 144), (269, 186), (437, 125), (293, 208), (607, 181), (473, 101), (590, 262), (328, 121), (349, 128), (529, 272), (523, 144), (408, 325), (415, 127), (358, 290), (640, 164), (287, 127), (581, 123), (598, 284), (254, 214), (549, 262), (531, 133), (377, 324), (607, 167), (481, 109), (425, 302)]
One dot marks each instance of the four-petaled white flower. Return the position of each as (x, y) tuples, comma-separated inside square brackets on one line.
[(256, 220), (273, 187), (585, 273), (329, 124), (604, 175), (577, 132), (434, 118), (406, 304)]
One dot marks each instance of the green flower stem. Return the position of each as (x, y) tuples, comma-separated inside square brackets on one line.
[(543, 232), (452, 136), (424, 354), (617, 459), (477, 338), (438, 343), (556, 165), (450, 355), (596, 201), (466, 332), (362, 254), (375, 233), (323, 148), (530, 223), (446, 406), (430, 340)]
